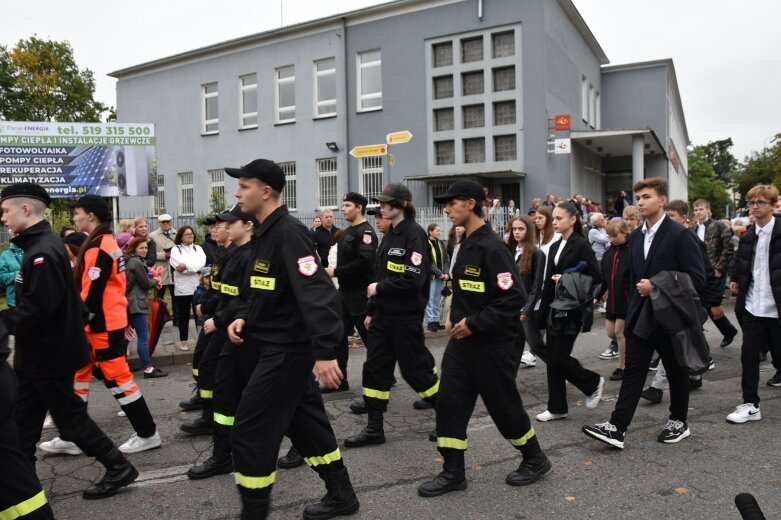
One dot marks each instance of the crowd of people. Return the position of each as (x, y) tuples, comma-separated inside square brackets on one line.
[(276, 301)]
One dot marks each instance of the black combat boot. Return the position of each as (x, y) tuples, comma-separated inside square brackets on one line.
[(372, 434), (213, 466), (452, 478), (194, 403), (203, 425), (255, 503), (119, 473), (359, 407), (293, 459), (533, 466), (340, 500)]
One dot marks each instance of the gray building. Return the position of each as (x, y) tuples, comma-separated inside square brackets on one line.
[(479, 84)]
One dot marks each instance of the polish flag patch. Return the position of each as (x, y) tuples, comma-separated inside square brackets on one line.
[(416, 258), (307, 265), (38, 261), (504, 281)]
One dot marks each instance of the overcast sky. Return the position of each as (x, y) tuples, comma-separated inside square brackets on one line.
[(725, 52)]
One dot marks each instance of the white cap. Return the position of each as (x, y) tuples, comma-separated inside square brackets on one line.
[(163, 217)]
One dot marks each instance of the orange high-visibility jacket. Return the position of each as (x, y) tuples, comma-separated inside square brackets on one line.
[(103, 284)]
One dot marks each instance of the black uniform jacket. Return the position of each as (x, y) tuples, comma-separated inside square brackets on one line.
[(356, 256), (292, 303), (403, 273), (211, 298), (48, 320), (486, 290), (233, 281)]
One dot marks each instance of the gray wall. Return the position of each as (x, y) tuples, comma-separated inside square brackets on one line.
[(636, 98)]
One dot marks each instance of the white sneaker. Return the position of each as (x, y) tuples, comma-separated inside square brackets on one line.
[(121, 413), (592, 401), (57, 446), (48, 423), (136, 444), (744, 413), (609, 354), (528, 359), (547, 416)]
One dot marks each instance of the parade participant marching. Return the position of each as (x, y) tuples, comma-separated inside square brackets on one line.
[(480, 358), (100, 274), (234, 363), (46, 358), (395, 322), (291, 318)]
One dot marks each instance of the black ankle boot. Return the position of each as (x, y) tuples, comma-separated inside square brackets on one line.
[(203, 425), (293, 459), (119, 473), (359, 407), (340, 499), (533, 466), (194, 403), (372, 434), (212, 467), (255, 503), (452, 478)]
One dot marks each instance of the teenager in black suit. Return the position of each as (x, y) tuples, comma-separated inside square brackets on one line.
[(658, 245), (572, 252)]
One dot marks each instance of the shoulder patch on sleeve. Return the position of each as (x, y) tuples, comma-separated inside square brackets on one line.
[(93, 273), (367, 238), (416, 258), (504, 281), (307, 265), (38, 261)]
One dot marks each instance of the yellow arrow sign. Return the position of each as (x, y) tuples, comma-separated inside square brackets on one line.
[(398, 137), (369, 150)]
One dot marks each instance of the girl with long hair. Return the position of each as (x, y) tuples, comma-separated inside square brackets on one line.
[(546, 235)]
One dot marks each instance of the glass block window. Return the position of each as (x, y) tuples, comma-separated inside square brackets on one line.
[(446, 152), (443, 54), (474, 150), (473, 116), (503, 44), (504, 113), (289, 191), (472, 83), (443, 87), (505, 148), (443, 119), (472, 49), (504, 79)]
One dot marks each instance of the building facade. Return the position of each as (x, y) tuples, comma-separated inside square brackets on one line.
[(478, 83)]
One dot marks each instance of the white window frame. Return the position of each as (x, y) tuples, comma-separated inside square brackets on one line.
[(186, 194), (592, 105), (371, 166), (243, 114), (598, 120), (205, 96), (359, 67), (584, 98), (319, 74), (289, 192), (160, 195), (278, 83), (327, 174), (217, 184)]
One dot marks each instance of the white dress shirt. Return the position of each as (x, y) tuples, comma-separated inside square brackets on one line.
[(649, 234), (701, 232), (759, 297)]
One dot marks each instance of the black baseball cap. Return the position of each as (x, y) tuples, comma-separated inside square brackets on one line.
[(93, 204), (465, 189), (373, 211), (210, 220), (356, 198), (264, 170), (27, 190), (394, 191), (234, 214)]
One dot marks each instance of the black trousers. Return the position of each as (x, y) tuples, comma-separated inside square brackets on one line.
[(562, 367), (489, 372), (21, 493), (281, 398), (200, 347), (235, 366), (161, 294), (69, 412), (759, 334), (353, 315), (638, 358), (726, 328), (391, 341), (182, 306), (207, 367)]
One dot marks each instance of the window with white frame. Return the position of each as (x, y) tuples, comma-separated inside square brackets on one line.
[(160, 195), (216, 189), (598, 108), (286, 95), (369, 80), (210, 114), (370, 176), (186, 206), (584, 98), (592, 105), (327, 194), (248, 89), (325, 87), (289, 191)]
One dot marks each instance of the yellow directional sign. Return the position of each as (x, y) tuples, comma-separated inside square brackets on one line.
[(369, 150), (398, 137)]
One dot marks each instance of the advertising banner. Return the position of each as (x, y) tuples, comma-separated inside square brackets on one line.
[(75, 159)]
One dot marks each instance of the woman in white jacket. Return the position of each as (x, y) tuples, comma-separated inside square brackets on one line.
[(187, 260)]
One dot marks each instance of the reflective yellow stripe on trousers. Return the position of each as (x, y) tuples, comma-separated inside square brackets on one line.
[(377, 394), (523, 440), (23, 508), (325, 459), (225, 420), (450, 442), (431, 391), (255, 482), (206, 394)]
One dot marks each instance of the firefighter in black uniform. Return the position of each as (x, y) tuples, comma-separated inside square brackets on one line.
[(291, 317), (396, 316), (46, 358), (483, 324), (235, 363)]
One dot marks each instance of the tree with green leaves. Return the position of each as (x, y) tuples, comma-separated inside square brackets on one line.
[(40, 81), (760, 168), (704, 183), (725, 165)]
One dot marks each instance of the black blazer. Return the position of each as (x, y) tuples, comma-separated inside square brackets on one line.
[(674, 248), (576, 249)]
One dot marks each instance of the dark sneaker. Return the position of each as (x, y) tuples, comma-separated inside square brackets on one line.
[(433, 326), (422, 404), (652, 395), (606, 432), (675, 431), (156, 372), (727, 341), (617, 375), (775, 380), (695, 384)]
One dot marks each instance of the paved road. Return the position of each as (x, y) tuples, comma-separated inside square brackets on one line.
[(697, 478)]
